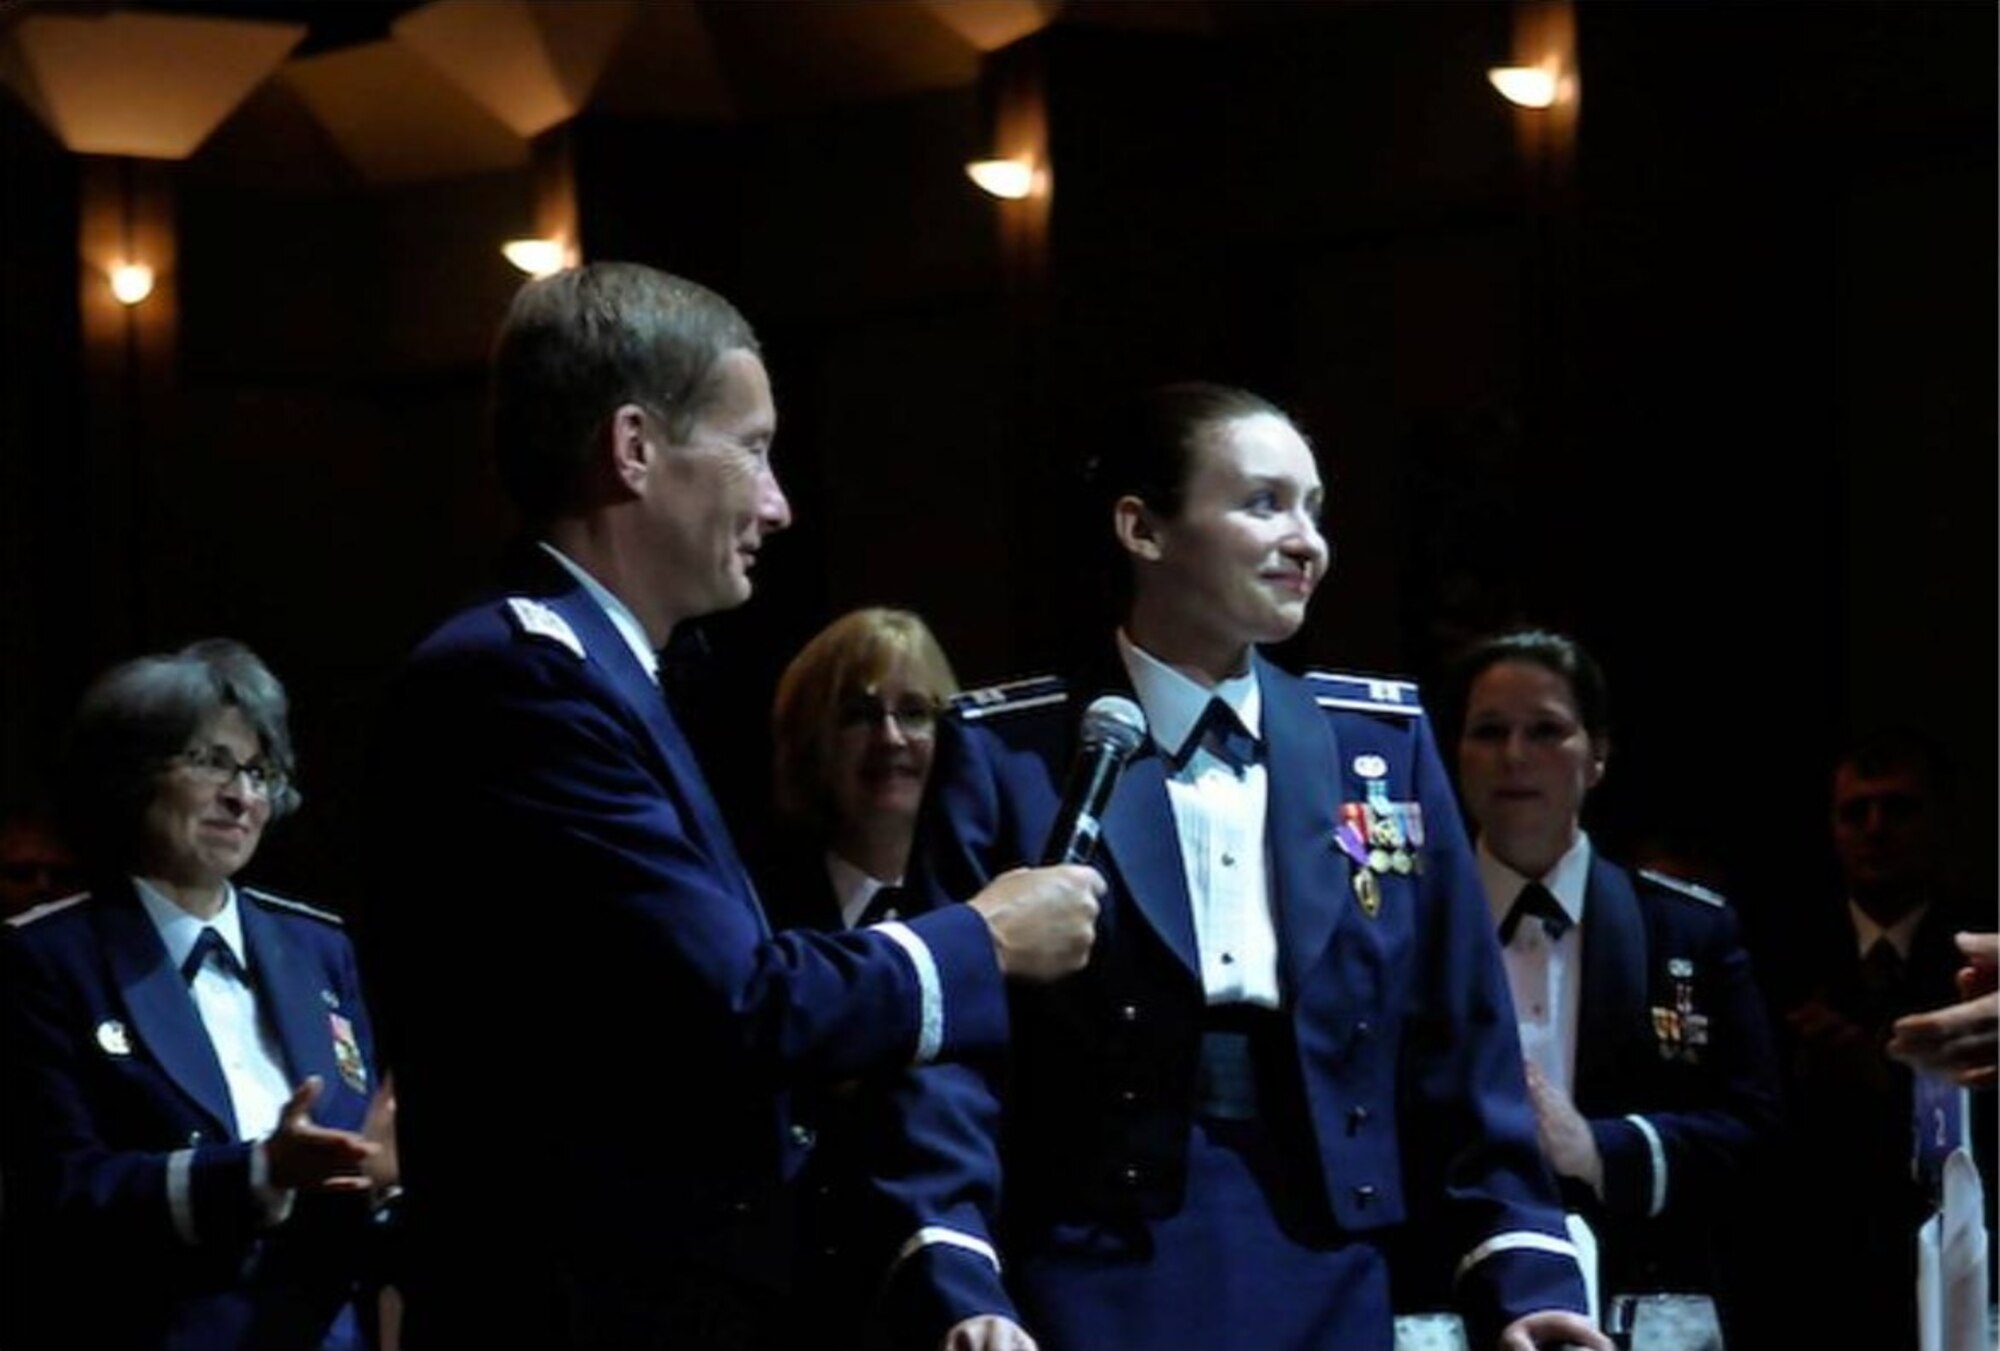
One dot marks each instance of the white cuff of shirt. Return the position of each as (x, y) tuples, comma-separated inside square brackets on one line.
[(930, 992)]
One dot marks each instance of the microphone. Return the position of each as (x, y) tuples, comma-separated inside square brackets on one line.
[(1112, 729)]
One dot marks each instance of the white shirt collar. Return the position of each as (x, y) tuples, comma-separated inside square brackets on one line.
[(615, 610), (852, 887), (180, 930), (1173, 703), (1568, 881), (1900, 934)]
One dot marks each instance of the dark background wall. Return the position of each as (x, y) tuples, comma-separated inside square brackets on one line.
[(1720, 399)]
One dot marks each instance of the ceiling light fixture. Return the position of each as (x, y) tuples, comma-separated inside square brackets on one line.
[(131, 282), (1012, 179), (537, 257), (1528, 86)]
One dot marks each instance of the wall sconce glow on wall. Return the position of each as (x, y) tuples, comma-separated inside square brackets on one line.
[(1528, 86), (537, 257), (131, 282), (1012, 179)]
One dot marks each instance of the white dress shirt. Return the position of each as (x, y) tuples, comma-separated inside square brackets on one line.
[(853, 888), (253, 1067), (252, 1064), (1545, 977), (1900, 934), (1219, 815)]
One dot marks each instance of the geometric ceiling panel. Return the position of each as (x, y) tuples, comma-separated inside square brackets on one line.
[(991, 24), (531, 66), (667, 67), (147, 85), (856, 51), (396, 120)]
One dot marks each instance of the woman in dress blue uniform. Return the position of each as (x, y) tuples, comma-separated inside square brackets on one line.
[(186, 1131), (1290, 1048), (1650, 1060), (853, 725)]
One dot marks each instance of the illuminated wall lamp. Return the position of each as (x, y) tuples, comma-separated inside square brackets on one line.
[(1527, 86), (537, 257), (131, 282), (1009, 178)]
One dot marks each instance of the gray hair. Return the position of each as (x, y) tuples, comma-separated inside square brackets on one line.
[(140, 714)]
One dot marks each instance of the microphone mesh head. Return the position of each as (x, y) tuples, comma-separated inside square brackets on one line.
[(1115, 721)]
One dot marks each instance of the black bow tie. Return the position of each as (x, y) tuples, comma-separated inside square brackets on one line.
[(210, 942), (1223, 733), (1882, 966), (885, 904), (1535, 900)]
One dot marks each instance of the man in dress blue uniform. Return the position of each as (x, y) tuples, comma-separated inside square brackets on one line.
[(594, 1027), (1884, 950), (1290, 1046)]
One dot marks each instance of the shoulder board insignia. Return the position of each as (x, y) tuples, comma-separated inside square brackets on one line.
[(537, 620), (1694, 891), (1011, 697), (291, 906), (1366, 694), (47, 908)]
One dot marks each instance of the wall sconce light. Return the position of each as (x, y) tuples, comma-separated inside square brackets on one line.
[(537, 257), (1009, 178), (1528, 86), (131, 282)]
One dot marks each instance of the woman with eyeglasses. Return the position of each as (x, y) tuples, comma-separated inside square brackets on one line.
[(192, 1129), (852, 723)]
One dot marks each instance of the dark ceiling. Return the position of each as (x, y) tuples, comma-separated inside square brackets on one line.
[(333, 24)]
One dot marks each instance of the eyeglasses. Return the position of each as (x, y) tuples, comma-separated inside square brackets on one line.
[(215, 766), (916, 717)]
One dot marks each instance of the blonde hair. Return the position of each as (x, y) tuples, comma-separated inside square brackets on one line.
[(849, 657)]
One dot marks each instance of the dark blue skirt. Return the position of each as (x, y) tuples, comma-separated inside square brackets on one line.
[(1251, 1262)]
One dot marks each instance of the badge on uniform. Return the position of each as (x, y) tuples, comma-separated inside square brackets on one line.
[(1681, 1030), (347, 1054), (1367, 892), (111, 1036), (1381, 837)]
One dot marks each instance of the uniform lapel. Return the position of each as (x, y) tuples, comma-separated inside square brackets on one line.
[(686, 784), (156, 998), (1145, 847), (1309, 873), (1614, 978), (289, 996), (1141, 844)]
